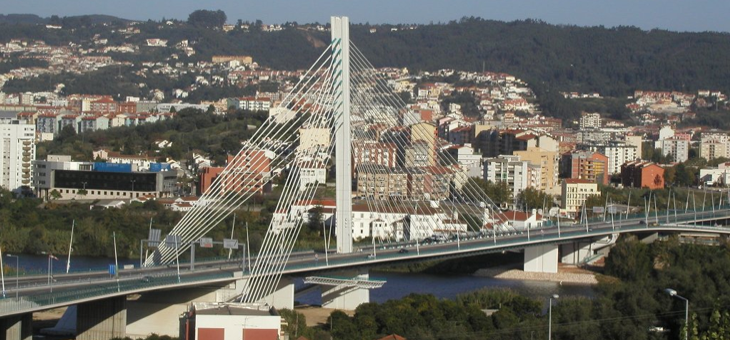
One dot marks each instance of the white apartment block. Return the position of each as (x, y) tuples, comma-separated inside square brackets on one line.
[(509, 169), (618, 153), (311, 173), (16, 154), (396, 222), (677, 148), (714, 145), (590, 121)]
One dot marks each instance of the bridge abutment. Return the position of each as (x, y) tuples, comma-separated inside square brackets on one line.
[(102, 319), (17, 327), (541, 259)]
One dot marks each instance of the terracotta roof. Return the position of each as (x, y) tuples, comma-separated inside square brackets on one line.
[(392, 337), (516, 216), (577, 181)]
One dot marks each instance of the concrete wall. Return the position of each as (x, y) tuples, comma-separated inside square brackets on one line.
[(541, 259), (346, 298), (575, 252), (101, 319), (159, 312), (16, 327)]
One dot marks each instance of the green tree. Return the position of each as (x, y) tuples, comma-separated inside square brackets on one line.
[(629, 260), (532, 198), (207, 19)]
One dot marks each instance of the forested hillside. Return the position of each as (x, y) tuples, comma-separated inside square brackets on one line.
[(612, 61)]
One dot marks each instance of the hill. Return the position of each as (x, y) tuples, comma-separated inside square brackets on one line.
[(36, 20), (612, 61)]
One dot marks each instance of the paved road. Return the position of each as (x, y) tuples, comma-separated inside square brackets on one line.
[(36, 294)]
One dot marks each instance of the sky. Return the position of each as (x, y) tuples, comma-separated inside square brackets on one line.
[(674, 15)]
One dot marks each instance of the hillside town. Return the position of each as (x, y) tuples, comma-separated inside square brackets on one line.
[(490, 122)]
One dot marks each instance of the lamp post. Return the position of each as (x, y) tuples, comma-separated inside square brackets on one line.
[(550, 315), (17, 271), (673, 293)]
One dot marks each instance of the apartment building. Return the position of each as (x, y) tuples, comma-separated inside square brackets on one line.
[(585, 165), (16, 154), (714, 145), (676, 147), (548, 162), (508, 169), (574, 193), (640, 174)]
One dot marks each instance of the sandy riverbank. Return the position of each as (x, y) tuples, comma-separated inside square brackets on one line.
[(567, 274)]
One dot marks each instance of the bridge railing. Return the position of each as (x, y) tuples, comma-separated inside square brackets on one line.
[(66, 295)]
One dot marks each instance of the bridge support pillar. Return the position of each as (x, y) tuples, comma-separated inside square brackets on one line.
[(102, 319), (541, 259), (17, 327), (283, 296), (346, 297), (575, 252)]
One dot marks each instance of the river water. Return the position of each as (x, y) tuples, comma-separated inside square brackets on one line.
[(397, 285)]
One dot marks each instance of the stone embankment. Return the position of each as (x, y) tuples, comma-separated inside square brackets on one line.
[(564, 274)]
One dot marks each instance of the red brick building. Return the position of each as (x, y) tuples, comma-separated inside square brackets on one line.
[(585, 165), (640, 174), (250, 171)]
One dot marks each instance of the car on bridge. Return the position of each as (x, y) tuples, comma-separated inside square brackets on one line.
[(403, 251)]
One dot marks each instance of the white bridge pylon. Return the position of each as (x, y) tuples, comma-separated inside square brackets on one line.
[(409, 186)]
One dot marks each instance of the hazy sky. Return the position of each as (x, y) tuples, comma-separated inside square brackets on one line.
[(676, 15)]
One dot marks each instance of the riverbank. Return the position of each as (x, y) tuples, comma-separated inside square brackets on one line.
[(566, 274)]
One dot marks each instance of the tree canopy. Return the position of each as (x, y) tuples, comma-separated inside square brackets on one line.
[(207, 19)]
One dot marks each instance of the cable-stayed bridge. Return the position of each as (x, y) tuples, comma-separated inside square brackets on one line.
[(411, 188), (340, 114)]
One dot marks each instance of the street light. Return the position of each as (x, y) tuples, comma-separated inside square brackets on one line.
[(673, 293), (550, 315), (17, 271)]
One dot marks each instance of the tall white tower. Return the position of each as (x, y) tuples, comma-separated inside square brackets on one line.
[(343, 153)]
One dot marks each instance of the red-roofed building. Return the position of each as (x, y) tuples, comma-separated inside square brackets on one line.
[(249, 171), (641, 174), (521, 220), (104, 105)]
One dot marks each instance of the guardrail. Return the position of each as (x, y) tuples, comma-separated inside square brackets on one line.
[(478, 244), (11, 305)]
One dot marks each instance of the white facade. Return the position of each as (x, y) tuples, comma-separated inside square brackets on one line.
[(43, 170), (316, 173), (590, 121), (575, 192), (713, 176), (677, 148), (714, 145), (618, 153), (235, 322), (396, 223), (509, 169), (470, 161), (16, 154)]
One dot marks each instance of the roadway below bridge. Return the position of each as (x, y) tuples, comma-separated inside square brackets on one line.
[(35, 294)]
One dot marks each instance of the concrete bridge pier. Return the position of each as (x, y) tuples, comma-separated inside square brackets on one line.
[(283, 295), (541, 259), (575, 252), (346, 296), (102, 319), (17, 327)]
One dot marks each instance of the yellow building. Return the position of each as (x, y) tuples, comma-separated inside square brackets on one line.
[(575, 192), (548, 162)]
